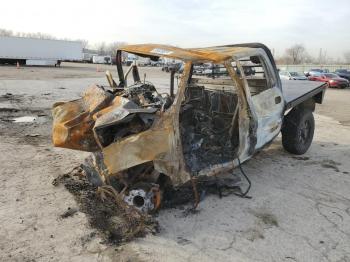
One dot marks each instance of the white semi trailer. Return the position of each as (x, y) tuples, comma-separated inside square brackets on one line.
[(32, 51)]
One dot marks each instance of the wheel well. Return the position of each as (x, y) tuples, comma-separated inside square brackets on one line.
[(309, 104)]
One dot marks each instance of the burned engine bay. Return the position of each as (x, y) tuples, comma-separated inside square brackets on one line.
[(104, 116), (139, 103)]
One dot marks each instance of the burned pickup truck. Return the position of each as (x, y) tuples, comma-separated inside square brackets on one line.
[(143, 140)]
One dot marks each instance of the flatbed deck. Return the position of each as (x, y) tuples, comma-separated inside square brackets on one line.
[(298, 91)]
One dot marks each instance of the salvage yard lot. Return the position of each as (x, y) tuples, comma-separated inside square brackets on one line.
[(299, 211)]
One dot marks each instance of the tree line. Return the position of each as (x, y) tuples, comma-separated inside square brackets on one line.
[(296, 54)]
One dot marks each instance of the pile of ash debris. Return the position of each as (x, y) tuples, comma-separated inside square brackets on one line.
[(118, 222)]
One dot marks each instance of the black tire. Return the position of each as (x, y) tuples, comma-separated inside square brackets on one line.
[(298, 131)]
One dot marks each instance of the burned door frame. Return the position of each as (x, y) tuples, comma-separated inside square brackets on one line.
[(245, 119), (265, 108)]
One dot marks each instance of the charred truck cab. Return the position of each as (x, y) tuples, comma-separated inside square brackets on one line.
[(142, 139)]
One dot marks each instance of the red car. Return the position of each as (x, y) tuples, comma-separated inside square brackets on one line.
[(333, 80)]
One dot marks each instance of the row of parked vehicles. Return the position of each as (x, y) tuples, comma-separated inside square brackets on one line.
[(339, 79)]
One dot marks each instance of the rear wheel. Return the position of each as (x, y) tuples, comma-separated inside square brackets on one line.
[(298, 131)]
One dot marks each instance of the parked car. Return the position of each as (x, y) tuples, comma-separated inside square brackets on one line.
[(291, 75), (215, 71), (206, 69), (344, 73), (170, 66), (156, 63), (333, 80), (315, 71), (143, 61), (198, 69), (101, 59)]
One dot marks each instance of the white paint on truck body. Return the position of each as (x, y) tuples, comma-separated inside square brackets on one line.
[(269, 115)]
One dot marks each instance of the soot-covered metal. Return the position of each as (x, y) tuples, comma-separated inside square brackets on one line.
[(143, 141)]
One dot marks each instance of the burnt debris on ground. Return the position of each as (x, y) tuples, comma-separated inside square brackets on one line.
[(221, 186), (116, 221)]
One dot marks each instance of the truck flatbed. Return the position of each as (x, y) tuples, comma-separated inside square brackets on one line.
[(296, 92)]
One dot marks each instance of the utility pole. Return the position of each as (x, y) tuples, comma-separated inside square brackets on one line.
[(320, 57)]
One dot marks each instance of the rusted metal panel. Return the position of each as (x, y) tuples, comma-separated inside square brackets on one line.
[(73, 123), (136, 149), (210, 54)]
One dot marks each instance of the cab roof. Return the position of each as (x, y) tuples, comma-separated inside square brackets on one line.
[(208, 54)]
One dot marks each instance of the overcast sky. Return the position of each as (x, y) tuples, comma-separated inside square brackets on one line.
[(189, 23)]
